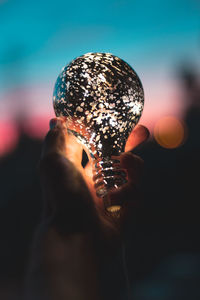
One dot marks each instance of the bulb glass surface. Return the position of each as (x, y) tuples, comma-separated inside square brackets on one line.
[(102, 98)]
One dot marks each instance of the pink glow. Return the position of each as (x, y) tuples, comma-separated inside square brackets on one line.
[(27, 101), (9, 136), (32, 105), (37, 127), (162, 98)]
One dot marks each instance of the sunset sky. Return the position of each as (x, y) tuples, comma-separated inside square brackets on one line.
[(39, 37)]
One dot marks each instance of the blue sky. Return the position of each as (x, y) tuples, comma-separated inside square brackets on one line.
[(39, 37)]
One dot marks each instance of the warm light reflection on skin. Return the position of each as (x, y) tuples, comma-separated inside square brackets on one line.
[(170, 132), (135, 138), (74, 150)]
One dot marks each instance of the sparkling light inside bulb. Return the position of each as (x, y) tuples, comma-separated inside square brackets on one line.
[(102, 98)]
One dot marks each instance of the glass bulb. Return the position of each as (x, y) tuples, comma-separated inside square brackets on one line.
[(102, 99)]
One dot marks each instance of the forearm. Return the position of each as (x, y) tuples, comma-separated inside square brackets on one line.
[(63, 267)]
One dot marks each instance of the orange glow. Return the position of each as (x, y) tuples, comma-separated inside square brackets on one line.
[(169, 132)]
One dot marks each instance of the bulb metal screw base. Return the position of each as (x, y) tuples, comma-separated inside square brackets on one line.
[(109, 175)]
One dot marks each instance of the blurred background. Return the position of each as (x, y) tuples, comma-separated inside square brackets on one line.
[(161, 41)]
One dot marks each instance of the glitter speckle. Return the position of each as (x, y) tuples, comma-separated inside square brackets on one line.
[(101, 105), (79, 109), (104, 97)]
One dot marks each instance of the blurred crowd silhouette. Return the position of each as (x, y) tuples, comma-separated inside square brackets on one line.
[(163, 241)]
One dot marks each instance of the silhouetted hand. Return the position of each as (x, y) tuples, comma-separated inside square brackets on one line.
[(76, 238), (68, 187)]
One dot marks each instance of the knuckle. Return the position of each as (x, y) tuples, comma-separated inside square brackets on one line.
[(129, 159), (139, 160)]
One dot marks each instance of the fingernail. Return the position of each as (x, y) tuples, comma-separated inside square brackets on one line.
[(52, 123)]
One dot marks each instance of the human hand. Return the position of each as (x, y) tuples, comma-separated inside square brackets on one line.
[(68, 187), (76, 240)]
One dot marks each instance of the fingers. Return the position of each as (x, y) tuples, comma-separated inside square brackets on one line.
[(55, 140), (129, 194), (133, 165), (67, 199), (68, 202), (59, 141), (139, 135)]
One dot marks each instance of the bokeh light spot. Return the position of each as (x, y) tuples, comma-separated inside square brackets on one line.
[(170, 132)]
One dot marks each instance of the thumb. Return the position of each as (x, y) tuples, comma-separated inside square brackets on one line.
[(55, 140), (59, 141)]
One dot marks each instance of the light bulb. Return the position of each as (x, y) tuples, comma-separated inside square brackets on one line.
[(102, 99)]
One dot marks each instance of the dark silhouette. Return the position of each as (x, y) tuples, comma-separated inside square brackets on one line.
[(163, 238)]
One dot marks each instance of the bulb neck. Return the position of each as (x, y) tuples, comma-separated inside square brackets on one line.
[(109, 175)]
